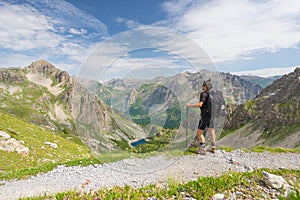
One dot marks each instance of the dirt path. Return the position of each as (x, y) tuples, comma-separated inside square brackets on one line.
[(140, 172)]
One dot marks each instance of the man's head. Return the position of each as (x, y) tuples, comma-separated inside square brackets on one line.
[(206, 85)]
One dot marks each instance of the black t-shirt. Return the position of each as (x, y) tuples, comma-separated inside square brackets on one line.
[(205, 108)]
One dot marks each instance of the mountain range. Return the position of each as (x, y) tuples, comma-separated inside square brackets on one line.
[(105, 115), (262, 81)]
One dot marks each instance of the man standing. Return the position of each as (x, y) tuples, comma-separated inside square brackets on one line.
[(206, 119)]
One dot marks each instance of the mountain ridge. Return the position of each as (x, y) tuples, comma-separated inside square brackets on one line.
[(42, 94), (271, 117)]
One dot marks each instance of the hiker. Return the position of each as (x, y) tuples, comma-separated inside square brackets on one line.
[(206, 119)]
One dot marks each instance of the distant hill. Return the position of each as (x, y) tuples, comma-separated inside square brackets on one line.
[(262, 81), (271, 118)]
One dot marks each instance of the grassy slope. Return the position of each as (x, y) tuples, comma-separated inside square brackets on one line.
[(40, 155)]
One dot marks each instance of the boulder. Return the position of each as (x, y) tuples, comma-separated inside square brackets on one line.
[(276, 182)]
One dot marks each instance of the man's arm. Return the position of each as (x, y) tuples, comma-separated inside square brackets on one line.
[(195, 105)]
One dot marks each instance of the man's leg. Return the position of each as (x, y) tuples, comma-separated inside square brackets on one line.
[(203, 123), (200, 135), (201, 139), (213, 139), (212, 135)]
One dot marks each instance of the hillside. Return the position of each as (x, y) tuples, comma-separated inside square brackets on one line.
[(272, 118), (51, 99), (27, 146)]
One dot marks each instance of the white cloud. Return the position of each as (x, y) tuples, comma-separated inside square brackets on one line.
[(129, 23), (15, 60), (233, 29), (140, 68), (72, 69), (267, 72), (75, 31), (177, 7), (24, 28), (53, 30), (144, 48)]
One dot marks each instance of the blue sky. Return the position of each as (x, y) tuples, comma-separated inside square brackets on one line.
[(239, 36)]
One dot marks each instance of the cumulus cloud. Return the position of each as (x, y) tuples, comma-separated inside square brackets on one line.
[(268, 72), (75, 31), (129, 23), (54, 30), (24, 28), (229, 30)]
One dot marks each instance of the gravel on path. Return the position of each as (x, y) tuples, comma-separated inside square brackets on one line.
[(139, 172)]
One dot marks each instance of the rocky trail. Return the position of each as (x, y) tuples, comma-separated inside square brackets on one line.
[(139, 172)]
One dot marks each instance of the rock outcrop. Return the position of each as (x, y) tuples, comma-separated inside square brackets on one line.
[(12, 75), (7, 143)]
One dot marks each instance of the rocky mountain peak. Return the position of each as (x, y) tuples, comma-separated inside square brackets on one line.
[(42, 67), (48, 70)]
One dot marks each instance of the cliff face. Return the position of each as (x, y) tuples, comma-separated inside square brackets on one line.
[(274, 112), (238, 90)]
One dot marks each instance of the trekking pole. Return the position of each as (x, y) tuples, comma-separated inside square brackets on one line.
[(187, 126)]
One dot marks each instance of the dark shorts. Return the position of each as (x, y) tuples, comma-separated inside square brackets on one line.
[(205, 121)]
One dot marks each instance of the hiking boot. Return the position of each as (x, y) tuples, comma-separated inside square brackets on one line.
[(201, 151), (212, 149), (194, 144)]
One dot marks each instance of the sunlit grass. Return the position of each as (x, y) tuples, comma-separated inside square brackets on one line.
[(41, 157)]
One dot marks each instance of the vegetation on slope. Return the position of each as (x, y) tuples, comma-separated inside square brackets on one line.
[(41, 157)]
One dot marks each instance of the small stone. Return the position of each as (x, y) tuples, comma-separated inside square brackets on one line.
[(4, 135), (53, 145), (218, 197), (282, 168), (291, 182), (248, 168)]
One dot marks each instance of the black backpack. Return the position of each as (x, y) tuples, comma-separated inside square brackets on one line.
[(216, 99)]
